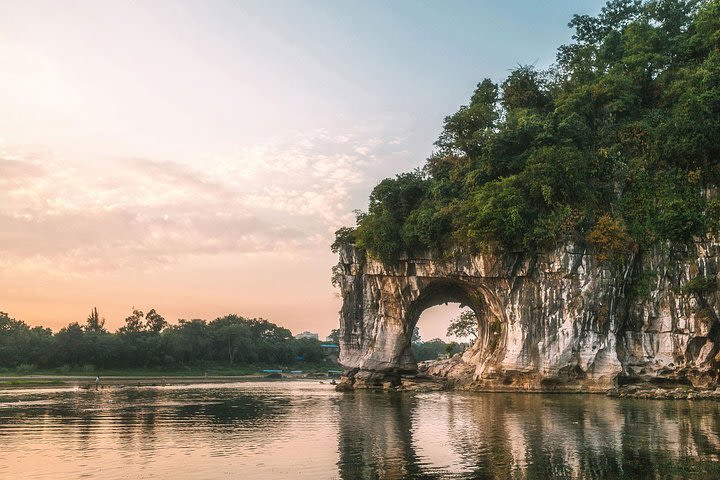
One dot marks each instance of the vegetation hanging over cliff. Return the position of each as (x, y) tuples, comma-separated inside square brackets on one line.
[(618, 145)]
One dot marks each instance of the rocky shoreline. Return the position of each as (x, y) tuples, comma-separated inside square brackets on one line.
[(664, 393), (424, 382), (427, 384)]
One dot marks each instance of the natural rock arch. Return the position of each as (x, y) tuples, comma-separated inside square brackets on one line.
[(491, 334), (560, 320)]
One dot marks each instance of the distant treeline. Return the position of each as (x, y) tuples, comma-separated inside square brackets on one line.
[(148, 341), (436, 348)]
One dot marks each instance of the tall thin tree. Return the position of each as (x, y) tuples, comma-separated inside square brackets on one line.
[(94, 323)]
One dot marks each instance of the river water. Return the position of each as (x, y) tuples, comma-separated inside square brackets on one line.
[(305, 430)]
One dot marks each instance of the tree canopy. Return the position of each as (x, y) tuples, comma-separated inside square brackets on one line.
[(464, 325), (148, 341), (616, 145)]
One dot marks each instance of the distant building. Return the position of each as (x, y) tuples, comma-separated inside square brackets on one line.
[(311, 335), (329, 348)]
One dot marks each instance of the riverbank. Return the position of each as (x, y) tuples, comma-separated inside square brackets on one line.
[(38, 381), (175, 371), (122, 378), (664, 393)]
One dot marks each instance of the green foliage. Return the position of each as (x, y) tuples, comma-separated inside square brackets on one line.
[(134, 323), (334, 336), (701, 285), (466, 131), (343, 236), (434, 348), (464, 325), (20, 344), (616, 144), (713, 215), (525, 88), (94, 323), (230, 340), (308, 349), (391, 202), (154, 322), (451, 348), (644, 283)]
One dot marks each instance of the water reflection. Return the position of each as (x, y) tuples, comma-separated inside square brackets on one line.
[(306, 430), (499, 436), (245, 430)]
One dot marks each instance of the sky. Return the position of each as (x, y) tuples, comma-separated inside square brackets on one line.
[(196, 156)]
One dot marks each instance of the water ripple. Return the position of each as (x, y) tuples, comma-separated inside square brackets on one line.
[(276, 430)]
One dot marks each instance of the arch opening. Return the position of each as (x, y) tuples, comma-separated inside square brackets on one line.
[(443, 330), (490, 330)]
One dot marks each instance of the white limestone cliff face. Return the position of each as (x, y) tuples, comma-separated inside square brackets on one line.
[(560, 320)]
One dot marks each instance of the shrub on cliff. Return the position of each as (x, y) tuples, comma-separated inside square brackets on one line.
[(609, 238), (626, 125), (701, 285)]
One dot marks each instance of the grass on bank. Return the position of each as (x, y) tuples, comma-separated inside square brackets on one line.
[(26, 382), (174, 371)]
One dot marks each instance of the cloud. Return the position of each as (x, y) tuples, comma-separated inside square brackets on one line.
[(14, 171), (279, 197)]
